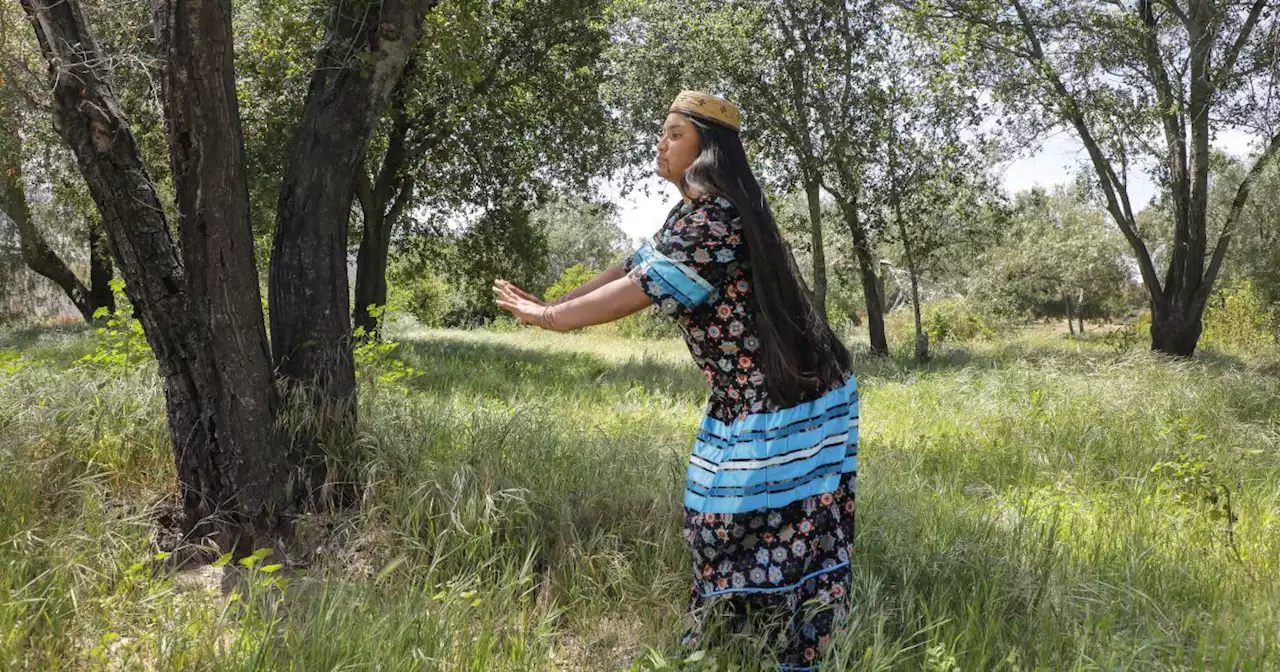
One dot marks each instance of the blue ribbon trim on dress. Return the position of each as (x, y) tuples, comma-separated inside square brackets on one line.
[(676, 279), (769, 460)]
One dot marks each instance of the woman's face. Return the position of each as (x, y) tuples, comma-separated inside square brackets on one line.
[(677, 147)]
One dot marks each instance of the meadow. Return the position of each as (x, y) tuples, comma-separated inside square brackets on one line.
[(1026, 503)]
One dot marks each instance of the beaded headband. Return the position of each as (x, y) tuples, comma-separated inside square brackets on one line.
[(709, 107)]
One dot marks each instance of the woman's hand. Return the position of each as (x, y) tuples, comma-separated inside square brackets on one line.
[(524, 306), (519, 292)]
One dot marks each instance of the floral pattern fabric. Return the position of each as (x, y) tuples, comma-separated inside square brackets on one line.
[(706, 239), (793, 557)]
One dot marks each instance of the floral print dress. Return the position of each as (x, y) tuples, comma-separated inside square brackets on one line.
[(769, 491)]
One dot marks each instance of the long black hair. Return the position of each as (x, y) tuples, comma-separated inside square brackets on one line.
[(802, 356)]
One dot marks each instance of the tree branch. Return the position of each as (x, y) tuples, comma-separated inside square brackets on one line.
[(401, 202), (1246, 30), (364, 191), (1176, 10), (1122, 214), (1237, 206), (1175, 133)]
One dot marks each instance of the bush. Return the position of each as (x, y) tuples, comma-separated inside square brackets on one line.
[(1236, 319), (956, 321), (841, 319), (424, 295), (1131, 335), (570, 280), (645, 324)]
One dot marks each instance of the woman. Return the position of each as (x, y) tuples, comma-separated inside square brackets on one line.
[(769, 492)]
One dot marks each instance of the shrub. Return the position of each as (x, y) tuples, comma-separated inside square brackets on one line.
[(1236, 319), (569, 280), (956, 321), (120, 343), (1131, 335), (423, 295)]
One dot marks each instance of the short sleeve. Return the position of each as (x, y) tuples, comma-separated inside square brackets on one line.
[(687, 261)]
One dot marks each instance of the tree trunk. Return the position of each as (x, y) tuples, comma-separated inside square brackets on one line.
[(36, 252), (371, 272), (1175, 331), (248, 473), (363, 58), (100, 271), (870, 281), (382, 202), (922, 340), (812, 194), (1071, 325), (45, 261), (224, 466), (1080, 310)]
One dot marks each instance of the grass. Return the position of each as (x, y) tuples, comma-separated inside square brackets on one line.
[(522, 502)]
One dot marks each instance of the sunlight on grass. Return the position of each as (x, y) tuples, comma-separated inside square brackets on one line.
[(1028, 503)]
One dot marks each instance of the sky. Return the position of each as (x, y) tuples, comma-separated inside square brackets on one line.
[(1053, 163)]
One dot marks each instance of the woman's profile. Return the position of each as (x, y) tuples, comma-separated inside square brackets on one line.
[(769, 490)]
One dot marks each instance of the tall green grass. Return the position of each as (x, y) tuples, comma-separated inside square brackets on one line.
[(1023, 504)]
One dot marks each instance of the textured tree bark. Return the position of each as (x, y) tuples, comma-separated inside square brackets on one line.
[(867, 272), (1174, 330), (245, 469), (364, 56), (36, 252), (812, 195), (100, 271), (922, 339), (382, 203), (217, 395)]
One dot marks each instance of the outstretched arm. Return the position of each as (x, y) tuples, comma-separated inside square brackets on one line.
[(603, 278), (612, 300)]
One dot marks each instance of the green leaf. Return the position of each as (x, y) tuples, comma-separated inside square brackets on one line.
[(221, 561)]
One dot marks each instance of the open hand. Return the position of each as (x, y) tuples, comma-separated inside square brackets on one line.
[(526, 308)]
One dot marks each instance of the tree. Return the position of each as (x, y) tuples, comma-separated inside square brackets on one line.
[(201, 312), (20, 98), (1138, 80), (361, 61), (219, 408), (36, 252), (934, 176), (1255, 254), (502, 97), (842, 44), (502, 243), (578, 233), (1058, 260), (944, 202), (800, 70)]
